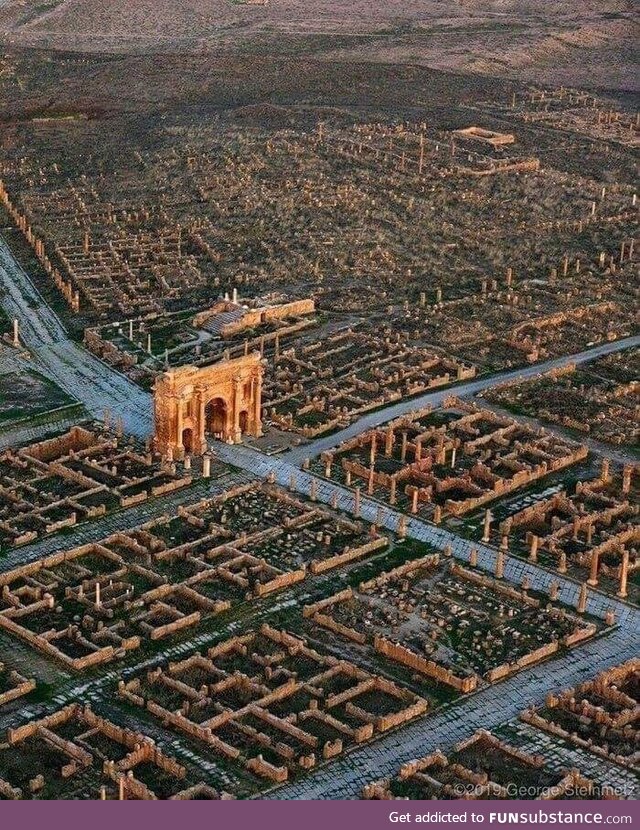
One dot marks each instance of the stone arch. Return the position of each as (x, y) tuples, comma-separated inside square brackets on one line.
[(222, 400)]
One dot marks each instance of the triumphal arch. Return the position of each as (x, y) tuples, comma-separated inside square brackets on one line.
[(222, 400)]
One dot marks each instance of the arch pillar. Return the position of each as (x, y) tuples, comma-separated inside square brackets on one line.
[(200, 402), (236, 434), (256, 394), (179, 449)]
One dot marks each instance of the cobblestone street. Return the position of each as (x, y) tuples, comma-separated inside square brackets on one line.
[(87, 379)]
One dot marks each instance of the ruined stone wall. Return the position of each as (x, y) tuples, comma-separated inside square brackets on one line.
[(391, 721), (339, 628), (427, 667), (428, 562), (341, 596), (495, 585), (21, 733), (266, 770), (318, 566), (507, 669), (279, 582), (19, 686)]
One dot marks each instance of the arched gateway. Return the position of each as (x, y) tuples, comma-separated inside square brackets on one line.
[(223, 400)]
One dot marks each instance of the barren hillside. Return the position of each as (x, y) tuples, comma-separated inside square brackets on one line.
[(590, 43)]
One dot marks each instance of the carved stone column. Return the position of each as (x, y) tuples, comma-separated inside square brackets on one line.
[(235, 433), (179, 405), (201, 420), (257, 404)]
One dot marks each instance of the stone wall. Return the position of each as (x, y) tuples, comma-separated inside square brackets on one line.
[(395, 651)]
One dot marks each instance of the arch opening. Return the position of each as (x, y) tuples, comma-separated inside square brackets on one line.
[(215, 415)]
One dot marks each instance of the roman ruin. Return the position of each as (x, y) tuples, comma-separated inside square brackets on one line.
[(92, 604), (485, 766), (449, 623), (76, 476), (270, 704), (449, 462), (318, 402), (598, 399), (599, 714), (592, 532), (13, 685), (234, 326), (82, 755), (223, 400)]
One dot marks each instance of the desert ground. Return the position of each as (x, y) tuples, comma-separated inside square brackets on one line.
[(586, 44)]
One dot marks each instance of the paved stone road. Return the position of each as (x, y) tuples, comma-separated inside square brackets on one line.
[(79, 373), (472, 387)]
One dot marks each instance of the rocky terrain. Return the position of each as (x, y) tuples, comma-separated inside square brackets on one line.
[(590, 44)]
